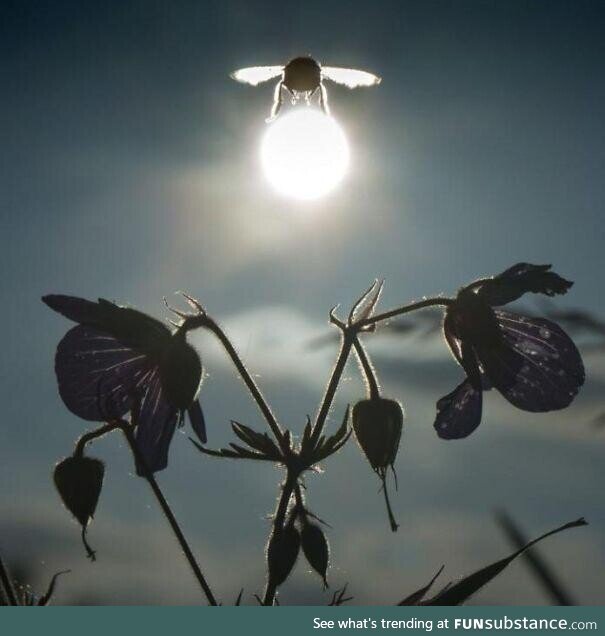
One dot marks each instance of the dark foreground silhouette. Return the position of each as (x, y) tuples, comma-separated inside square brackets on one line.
[(133, 374)]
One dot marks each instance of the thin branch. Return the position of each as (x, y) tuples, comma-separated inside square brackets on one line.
[(349, 334), (392, 520), (346, 343), (368, 369), (300, 499), (406, 309), (99, 432), (148, 475), (265, 409), (278, 523)]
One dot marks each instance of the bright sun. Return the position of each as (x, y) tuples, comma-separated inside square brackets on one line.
[(305, 154)]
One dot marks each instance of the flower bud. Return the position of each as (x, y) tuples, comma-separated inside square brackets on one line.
[(316, 549), (282, 552), (79, 480), (377, 424)]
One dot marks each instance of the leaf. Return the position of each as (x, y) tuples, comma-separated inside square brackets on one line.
[(552, 586), (342, 431), (418, 595), (462, 590), (258, 441), (236, 452), (327, 449), (46, 598), (328, 446), (520, 279)]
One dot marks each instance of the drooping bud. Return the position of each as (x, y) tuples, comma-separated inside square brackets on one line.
[(377, 424), (79, 480), (316, 549), (282, 552)]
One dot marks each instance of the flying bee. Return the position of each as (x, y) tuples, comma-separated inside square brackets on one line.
[(302, 78)]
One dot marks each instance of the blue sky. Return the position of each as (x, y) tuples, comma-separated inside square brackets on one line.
[(130, 170)]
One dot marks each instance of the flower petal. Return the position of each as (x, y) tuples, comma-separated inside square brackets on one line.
[(520, 279), (459, 412), (97, 374), (198, 423), (156, 423), (538, 368), (131, 327)]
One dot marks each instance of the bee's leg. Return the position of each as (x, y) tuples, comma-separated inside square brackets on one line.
[(277, 102), (323, 99), (293, 96), (311, 94)]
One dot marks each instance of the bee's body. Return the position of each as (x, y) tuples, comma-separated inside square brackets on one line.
[(302, 75), (302, 78)]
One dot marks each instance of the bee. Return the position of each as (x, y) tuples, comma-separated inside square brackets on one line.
[(302, 78)]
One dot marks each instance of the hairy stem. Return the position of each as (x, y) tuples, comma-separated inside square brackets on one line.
[(348, 338), (278, 523), (248, 380), (90, 436), (178, 533), (368, 370), (406, 309), (392, 521), (300, 500), (11, 597)]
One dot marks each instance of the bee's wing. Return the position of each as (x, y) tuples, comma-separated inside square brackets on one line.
[(255, 75), (350, 77)]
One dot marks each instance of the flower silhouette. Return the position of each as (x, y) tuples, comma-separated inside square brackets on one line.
[(118, 357), (532, 362)]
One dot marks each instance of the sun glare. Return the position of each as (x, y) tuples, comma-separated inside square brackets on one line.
[(304, 154)]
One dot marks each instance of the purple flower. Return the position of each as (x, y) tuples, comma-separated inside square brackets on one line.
[(118, 358), (531, 361)]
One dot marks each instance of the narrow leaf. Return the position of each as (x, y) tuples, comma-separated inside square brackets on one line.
[(552, 586), (418, 595), (241, 453), (462, 590), (259, 441), (45, 600)]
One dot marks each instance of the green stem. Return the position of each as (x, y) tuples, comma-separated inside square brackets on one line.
[(406, 309), (347, 340), (394, 524), (148, 475), (368, 370), (300, 500), (278, 524), (99, 432), (265, 409)]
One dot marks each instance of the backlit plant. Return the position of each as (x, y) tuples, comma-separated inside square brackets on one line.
[(131, 372)]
